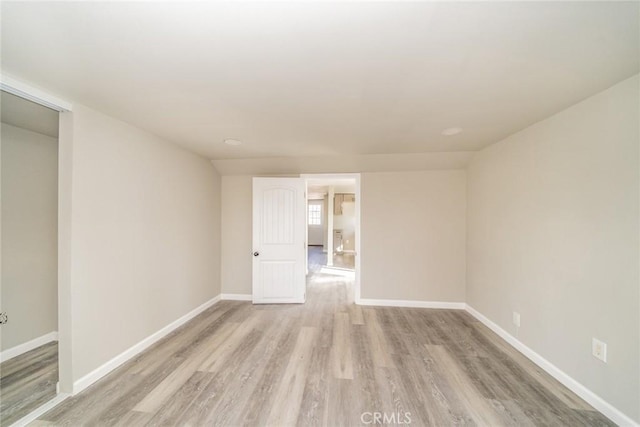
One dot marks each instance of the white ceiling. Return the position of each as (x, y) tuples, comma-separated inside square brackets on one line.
[(28, 115), (323, 79)]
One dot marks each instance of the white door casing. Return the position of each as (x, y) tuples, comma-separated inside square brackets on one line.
[(279, 248)]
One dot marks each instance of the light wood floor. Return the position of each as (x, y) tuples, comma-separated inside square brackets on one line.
[(318, 259), (27, 381), (326, 363)]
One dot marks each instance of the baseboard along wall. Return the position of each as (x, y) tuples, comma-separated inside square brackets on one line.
[(237, 297), (587, 395), (12, 352), (583, 392), (130, 353), (594, 400)]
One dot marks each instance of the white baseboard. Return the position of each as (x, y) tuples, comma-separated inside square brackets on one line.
[(410, 303), (279, 301), (237, 297), (590, 397), (12, 352), (112, 364), (43, 409)]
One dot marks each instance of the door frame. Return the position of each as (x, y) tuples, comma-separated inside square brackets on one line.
[(24, 90), (358, 209)]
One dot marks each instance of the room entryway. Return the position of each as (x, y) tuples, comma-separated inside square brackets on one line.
[(333, 234), (295, 218)]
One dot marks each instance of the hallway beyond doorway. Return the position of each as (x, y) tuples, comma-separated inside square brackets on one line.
[(318, 260)]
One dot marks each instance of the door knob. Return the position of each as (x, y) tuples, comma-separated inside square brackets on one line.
[(256, 253)]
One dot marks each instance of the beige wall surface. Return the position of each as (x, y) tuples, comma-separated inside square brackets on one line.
[(413, 235), (29, 235), (420, 215), (553, 233), (145, 236), (237, 237)]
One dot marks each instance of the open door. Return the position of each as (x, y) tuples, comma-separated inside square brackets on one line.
[(279, 219)]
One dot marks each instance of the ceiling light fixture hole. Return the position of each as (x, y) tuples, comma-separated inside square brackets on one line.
[(451, 131)]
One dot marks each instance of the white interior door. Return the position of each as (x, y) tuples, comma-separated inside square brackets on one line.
[(279, 219)]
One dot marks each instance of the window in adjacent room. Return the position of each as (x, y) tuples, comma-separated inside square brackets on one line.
[(315, 214)]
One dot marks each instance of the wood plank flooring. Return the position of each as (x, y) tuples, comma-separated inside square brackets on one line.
[(327, 363), (27, 381), (318, 260)]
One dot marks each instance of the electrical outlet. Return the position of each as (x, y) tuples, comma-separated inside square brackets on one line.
[(516, 319), (3, 318), (599, 350)]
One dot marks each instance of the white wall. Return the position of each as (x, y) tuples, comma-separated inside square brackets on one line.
[(553, 233), (29, 235), (413, 230), (413, 236), (145, 235)]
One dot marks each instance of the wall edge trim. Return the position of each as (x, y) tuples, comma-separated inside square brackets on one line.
[(12, 352), (607, 409), (411, 303), (41, 410), (138, 348), (237, 297)]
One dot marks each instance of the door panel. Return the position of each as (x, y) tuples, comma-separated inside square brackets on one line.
[(278, 279), (279, 217)]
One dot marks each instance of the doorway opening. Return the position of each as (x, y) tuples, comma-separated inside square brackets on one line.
[(29, 279), (333, 234)]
